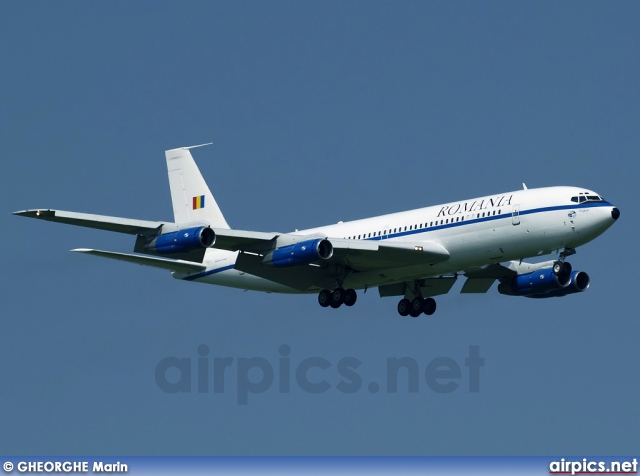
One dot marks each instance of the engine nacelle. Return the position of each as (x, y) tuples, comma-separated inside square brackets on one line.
[(580, 281), (183, 241), (538, 282), (301, 253)]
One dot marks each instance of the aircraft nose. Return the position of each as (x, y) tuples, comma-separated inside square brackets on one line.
[(615, 213)]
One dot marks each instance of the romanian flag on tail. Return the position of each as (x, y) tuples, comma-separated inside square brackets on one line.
[(198, 202)]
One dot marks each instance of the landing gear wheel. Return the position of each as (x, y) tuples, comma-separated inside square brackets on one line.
[(567, 267), (337, 298), (324, 298), (416, 307), (350, 297), (429, 306), (403, 307), (338, 295), (558, 268)]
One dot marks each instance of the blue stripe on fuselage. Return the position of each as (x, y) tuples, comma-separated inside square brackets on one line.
[(488, 218)]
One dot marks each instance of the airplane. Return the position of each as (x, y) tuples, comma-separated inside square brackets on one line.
[(415, 254)]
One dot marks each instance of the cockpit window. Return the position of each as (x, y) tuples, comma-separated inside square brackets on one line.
[(584, 197)]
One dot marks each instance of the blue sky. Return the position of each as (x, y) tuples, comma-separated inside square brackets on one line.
[(319, 112)]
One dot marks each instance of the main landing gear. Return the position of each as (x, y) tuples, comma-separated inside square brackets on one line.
[(338, 297), (417, 306)]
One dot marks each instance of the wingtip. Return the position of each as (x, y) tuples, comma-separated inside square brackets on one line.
[(22, 212), (196, 146), (34, 212), (188, 147)]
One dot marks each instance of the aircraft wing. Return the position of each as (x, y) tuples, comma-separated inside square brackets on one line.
[(101, 222), (359, 255), (241, 240), (362, 255), (372, 255)]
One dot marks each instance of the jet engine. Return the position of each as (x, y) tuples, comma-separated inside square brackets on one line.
[(298, 254), (580, 281), (544, 283), (182, 241)]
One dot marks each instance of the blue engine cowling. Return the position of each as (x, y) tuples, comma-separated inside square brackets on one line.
[(301, 253), (580, 281), (544, 283), (183, 241)]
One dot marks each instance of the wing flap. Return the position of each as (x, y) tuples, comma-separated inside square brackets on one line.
[(241, 240), (477, 285), (428, 287)]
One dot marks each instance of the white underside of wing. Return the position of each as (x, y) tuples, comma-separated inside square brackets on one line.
[(179, 266)]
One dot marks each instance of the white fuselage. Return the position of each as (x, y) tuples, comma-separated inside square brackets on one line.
[(476, 232)]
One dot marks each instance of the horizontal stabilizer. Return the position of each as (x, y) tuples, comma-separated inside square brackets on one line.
[(101, 222), (178, 266)]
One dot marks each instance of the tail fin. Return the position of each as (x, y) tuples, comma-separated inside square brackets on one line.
[(191, 197)]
